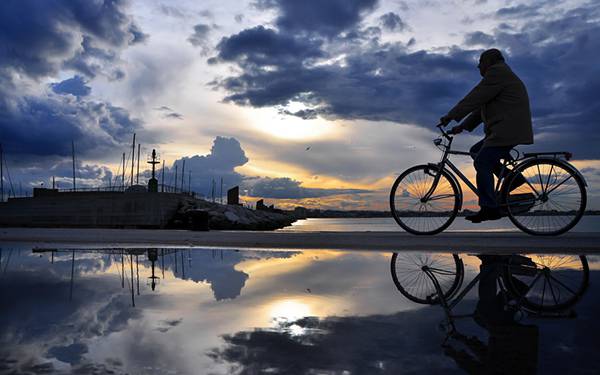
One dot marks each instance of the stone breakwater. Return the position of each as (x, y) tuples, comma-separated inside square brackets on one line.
[(232, 217)]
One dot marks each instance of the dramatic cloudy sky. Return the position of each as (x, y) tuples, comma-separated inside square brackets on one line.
[(315, 102)]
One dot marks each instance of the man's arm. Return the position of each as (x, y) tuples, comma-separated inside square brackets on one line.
[(486, 90), (472, 121)]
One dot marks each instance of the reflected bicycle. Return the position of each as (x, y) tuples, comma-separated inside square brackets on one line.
[(541, 193), (542, 285)]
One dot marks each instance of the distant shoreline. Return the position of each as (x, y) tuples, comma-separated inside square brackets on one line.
[(334, 214)]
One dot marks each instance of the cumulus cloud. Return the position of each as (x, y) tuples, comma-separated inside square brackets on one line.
[(225, 155)]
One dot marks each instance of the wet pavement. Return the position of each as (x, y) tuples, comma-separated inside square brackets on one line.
[(342, 239), (213, 311)]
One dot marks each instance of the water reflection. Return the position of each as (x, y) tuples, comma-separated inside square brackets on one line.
[(226, 311)]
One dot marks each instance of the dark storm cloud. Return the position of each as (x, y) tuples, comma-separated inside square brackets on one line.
[(287, 188), (390, 82), (38, 37), (398, 85), (45, 125), (260, 46), (393, 22), (328, 18), (75, 86)]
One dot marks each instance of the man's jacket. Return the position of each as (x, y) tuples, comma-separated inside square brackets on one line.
[(501, 102)]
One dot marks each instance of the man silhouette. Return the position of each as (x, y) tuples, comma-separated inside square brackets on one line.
[(501, 102)]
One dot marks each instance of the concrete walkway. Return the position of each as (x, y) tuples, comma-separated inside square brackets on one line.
[(384, 241)]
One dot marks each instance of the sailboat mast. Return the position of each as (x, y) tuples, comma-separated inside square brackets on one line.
[(132, 158), (162, 177), (137, 177), (175, 178), (182, 175), (123, 177), (73, 157)]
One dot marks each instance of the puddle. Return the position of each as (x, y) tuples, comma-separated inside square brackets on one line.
[(207, 311)]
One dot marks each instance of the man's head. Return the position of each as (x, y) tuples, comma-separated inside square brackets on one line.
[(489, 58)]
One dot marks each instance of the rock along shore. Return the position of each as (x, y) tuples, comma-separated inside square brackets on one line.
[(232, 217)]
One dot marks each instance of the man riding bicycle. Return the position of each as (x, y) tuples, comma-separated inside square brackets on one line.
[(501, 102)]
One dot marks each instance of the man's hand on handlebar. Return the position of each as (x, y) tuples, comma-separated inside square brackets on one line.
[(445, 120), (456, 130)]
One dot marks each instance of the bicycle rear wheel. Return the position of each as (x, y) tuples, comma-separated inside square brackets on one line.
[(432, 215), (549, 198), (412, 281), (547, 283)]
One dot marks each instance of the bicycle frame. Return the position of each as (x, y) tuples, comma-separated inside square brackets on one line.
[(446, 305), (445, 161)]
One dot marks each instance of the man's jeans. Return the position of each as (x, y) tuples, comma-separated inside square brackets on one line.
[(487, 164)]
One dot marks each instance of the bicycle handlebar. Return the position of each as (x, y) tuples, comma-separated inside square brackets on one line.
[(441, 126)]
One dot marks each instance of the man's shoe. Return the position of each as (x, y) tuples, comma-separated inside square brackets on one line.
[(485, 214)]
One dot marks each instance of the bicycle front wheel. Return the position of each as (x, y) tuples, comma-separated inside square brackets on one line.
[(418, 215), (412, 281), (545, 197)]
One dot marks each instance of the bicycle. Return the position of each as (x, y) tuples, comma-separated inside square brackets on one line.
[(435, 279), (549, 199)]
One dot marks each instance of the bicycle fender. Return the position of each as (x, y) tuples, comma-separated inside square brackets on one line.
[(562, 161)]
